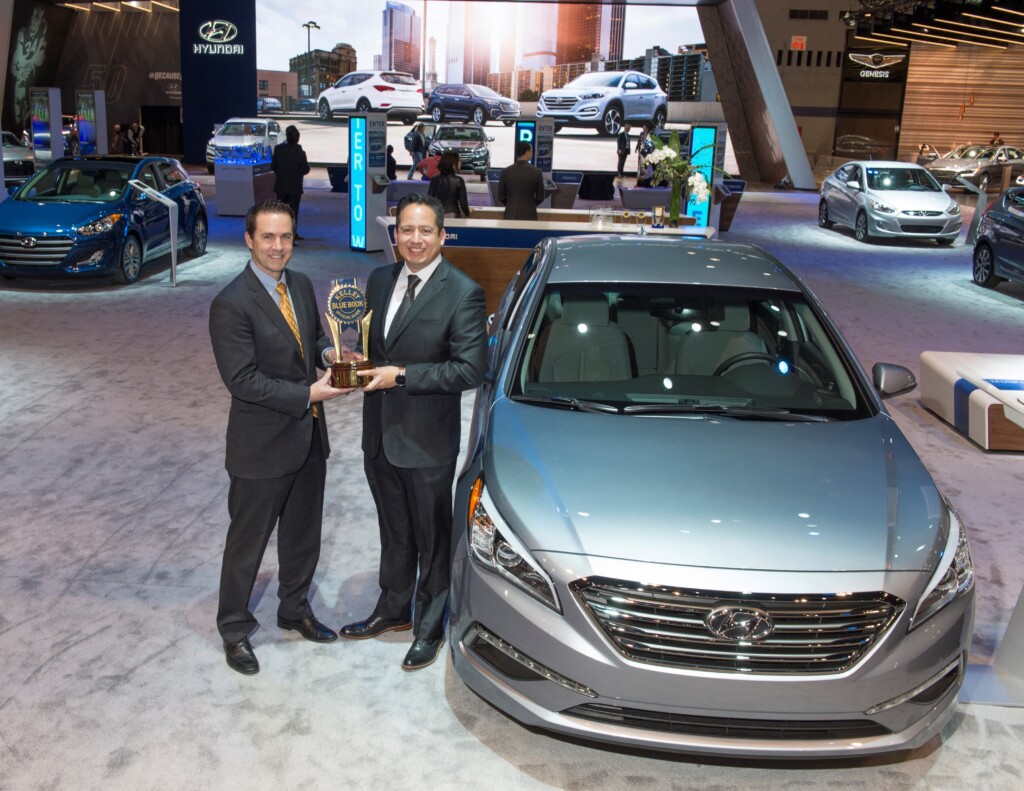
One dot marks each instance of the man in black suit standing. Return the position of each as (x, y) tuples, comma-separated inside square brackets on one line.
[(521, 186), (430, 345), (622, 149), (268, 341), (290, 165)]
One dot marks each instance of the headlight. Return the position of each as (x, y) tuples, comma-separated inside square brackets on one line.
[(954, 208), (969, 171), (100, 226), (954, 575), (592, 95), (501, 552), (877, 205)]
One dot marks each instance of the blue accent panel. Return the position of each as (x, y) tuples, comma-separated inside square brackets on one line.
[(961, 400), (702, 157), (357, 153), (1006, 384)]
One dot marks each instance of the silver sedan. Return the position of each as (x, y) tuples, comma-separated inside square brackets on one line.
[(886, 200), (687, 521)]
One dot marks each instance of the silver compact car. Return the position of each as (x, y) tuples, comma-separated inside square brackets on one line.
[(888, 199), (687, 522)]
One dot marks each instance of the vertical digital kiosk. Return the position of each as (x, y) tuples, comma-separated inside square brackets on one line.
[(91, 112), (367, 181), (707, 155), (47, 134), (540, 134)]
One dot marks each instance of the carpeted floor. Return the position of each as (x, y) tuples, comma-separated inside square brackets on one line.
[(112, 421)]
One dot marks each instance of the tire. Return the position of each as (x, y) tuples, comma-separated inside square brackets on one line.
[(129, 262), (478, 116), (983, 182), (611, 121), (983, 273), (660, 116), (436, 114), (200, 235), (559, 128), (508, 122), (209, 168), (408, 120), (945, 241), (324, 109), (363, 105), (823, 220), (860, 228)]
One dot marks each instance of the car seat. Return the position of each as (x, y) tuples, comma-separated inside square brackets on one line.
[(703, 346), (583, 345)]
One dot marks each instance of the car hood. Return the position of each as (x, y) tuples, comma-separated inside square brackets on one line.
[(36, 218), (952, 163), (913, 200), (556, 93), (458, 145), (237, 140), (718, 492)]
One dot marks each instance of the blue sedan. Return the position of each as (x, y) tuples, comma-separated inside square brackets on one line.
[(81, 217)]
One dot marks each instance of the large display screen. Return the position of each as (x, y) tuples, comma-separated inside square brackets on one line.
[(357, 153), (86, 112)]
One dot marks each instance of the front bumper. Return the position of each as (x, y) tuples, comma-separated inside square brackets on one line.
[(59, 257), (502, 114), (569, 678), (907, 226), (583, 113)]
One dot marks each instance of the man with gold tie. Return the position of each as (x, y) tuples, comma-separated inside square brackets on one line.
[(268, 342)]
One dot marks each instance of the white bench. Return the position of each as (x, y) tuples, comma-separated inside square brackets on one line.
[(978, 395)]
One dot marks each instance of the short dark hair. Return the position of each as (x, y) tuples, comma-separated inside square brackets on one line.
[(421, 199), (522, 147), (291, 134), (271, 206)]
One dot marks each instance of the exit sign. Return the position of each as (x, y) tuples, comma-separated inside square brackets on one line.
[(798, 42)]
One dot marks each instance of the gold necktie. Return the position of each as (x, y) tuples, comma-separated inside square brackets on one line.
[(289, 316)]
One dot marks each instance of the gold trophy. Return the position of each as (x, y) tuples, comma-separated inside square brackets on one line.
[(347, 316)]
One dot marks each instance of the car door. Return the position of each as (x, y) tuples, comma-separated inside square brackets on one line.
[(150, 216), (632, 97), (649, 89), (841, 198), (1016, 159), (1008, 235), (461, 101), (339, 96), (178, 188)]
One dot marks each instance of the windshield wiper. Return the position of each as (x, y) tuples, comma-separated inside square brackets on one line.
[(566, 401), (743, 412)]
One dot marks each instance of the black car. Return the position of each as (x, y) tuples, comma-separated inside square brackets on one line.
[(999, 249), (476, 103)]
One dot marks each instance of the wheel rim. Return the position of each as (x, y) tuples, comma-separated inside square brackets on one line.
[(436, 115), (363, 106), (131, 260), (478, 116), (822, 213), (324, 110), (659, 118), (199, 235), (862, 228), (983, 184), (612, 121), (982, 265)]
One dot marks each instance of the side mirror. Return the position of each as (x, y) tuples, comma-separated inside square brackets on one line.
[(853, 184), (947, 187), (891, 380)]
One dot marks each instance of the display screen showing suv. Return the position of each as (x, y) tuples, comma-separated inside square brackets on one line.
[(394, 92), (470, 142), (604, 100), (476, 103)]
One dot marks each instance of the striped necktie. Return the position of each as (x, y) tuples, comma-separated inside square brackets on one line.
[(289, 316)]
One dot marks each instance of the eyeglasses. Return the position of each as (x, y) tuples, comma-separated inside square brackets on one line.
[(426, 231)]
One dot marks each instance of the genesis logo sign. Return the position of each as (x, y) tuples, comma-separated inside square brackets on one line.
[(218, 33), (876, 64)]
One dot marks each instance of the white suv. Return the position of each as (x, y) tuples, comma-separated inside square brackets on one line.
[(243, 141), (604, 100), (394, 92)]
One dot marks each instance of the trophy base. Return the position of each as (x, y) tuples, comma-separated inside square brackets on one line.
[(348, 373)]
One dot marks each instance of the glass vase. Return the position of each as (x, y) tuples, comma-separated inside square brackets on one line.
[(675, 202)]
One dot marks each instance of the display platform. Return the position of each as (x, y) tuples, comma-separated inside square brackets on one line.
[(980, 395), (242, 186)]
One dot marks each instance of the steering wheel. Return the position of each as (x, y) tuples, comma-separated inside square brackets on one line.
[(736, 359)]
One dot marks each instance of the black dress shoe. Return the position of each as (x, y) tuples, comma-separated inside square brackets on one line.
[(422, 653), (373, 626), (241, 657), (310, 628)]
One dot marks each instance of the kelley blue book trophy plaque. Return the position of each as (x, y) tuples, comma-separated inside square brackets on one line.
[(347, 316)]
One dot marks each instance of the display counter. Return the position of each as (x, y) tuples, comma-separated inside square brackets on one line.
[(242, 186), (491, 250)]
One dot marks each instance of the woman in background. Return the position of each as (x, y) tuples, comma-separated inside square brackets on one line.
[(449, 187)]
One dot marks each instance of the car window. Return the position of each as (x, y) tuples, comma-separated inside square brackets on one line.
[(460, 133), (78, 181), (907, 179), (398, 78), (483, 90), (171, 174), (147, 175), (443, 91), (846, 173), (647, 83), (637, 345), (10, 140), (1013, 153)]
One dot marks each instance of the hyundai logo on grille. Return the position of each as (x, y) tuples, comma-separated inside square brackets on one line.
[(218, 31), (29, 242), (739, 623)]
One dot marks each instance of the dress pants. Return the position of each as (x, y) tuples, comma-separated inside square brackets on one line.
[(293, 199), (414, 510), (622, 165), (293, 503)]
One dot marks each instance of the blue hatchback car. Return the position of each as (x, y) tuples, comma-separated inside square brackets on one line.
[(81, 217)]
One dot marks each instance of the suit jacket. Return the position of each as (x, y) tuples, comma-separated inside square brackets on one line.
[(290, 165), (270, 426), (443, 345), (521, 190), (622, 144)]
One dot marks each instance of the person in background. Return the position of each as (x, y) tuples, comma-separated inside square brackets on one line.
[(644, 146), (133, 139), (117, 140), (392, 164), (418, 148), (429, 167), (622, 148), (997, 140), (449, 187), (289, 164), (521, 186)]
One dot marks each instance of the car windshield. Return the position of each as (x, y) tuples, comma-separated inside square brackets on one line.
[(397, 78), (483, 90), (10, 141), (67, 181), (602, 79), (684, 349), (902, 179), (242, 130), (972, 152), (460, 133)]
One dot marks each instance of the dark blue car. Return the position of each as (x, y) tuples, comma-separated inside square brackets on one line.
[(81, 217), (999, 249)]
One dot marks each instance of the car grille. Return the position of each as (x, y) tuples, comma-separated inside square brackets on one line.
[(728, 727), (18, 168), (911, 228), (48, 250), (923, 213), (812, 633), (560, 102)]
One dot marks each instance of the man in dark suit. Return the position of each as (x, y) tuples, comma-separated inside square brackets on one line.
[(429, 344), (277, 436), (290, 165), (521, 186), (622, 149)]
